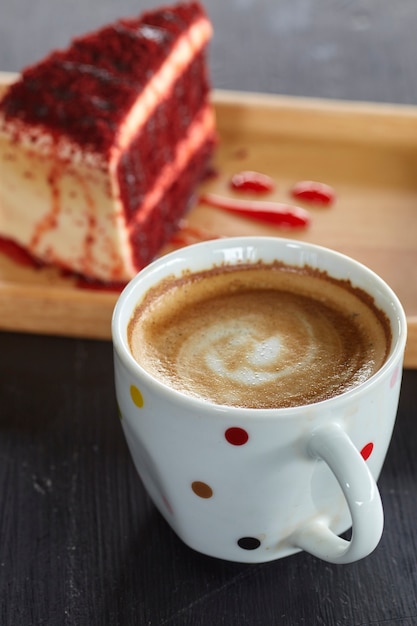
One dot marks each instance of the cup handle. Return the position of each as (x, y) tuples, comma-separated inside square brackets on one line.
[(331, 443)]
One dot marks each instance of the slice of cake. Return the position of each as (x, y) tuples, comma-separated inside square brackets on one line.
[(102, 145)]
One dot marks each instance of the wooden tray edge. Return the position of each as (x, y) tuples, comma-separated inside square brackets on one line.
[(327, 120), (90, 311)]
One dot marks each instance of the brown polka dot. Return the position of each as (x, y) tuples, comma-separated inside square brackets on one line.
[(202, 490)]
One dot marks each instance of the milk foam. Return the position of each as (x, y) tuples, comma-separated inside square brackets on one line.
[(248, 359), (259, 338), (237, 351)]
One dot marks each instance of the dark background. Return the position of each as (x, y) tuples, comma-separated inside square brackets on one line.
[(80, 543)]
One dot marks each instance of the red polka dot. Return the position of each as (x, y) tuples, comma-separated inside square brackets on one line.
[(236, 436), (367, 450)]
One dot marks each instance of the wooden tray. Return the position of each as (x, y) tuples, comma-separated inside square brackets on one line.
[(367, 152)]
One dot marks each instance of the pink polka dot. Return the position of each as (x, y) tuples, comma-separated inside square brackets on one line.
[(367, 450), (236, 436), (394, 377)]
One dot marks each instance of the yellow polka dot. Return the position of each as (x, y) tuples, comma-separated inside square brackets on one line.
[(136, 396), (203, 490)]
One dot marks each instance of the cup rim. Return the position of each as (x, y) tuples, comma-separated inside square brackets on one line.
[(174, 258)]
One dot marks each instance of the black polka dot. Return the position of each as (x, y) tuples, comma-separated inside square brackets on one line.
[(248, 543)]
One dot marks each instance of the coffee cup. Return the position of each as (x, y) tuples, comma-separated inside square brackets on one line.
[(257, 380)]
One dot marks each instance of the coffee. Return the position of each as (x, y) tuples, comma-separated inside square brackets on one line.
[(259, 335)]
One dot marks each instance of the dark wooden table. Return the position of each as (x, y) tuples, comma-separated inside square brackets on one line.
[(80, 543)]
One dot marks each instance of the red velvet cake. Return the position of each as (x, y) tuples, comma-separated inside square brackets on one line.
[(102, 145)]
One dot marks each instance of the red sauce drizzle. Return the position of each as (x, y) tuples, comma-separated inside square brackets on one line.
[(49, 221), (276, 213), (90, 236), (18, 254), (314, 192), (252, 181)]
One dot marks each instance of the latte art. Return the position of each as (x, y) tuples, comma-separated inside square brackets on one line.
[(249, 358), (258, 337), (247, 353)]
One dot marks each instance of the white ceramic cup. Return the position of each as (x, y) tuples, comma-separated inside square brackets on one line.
[(253, 485)]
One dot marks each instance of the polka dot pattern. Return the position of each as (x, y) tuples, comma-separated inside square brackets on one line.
[(235, 436)]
